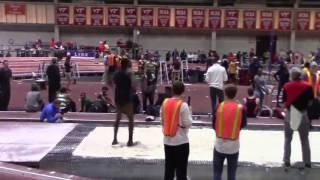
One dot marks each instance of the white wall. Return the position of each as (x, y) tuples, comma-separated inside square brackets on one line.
[(181, 40), (283, 42), (305, 44), (21, 37), (92, 39), (234, 43)]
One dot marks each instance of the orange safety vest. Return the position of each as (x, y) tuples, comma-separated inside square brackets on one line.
[(170, 116), (111, 61), (228, 120), (309, 77)]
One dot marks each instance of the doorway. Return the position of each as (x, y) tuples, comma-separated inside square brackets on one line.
[(263, 44)]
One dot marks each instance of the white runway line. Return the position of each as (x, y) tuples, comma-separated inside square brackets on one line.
[(259, 147)]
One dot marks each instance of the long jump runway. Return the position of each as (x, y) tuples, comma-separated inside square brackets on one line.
[(85, 150)]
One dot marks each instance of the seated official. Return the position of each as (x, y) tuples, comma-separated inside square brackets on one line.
[(251, 104), (99, 105), (34, 102), (85, 102), (67, 103), (51, 112), (154, 110)]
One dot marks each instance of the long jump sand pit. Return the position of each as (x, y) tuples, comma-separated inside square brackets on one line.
[(263, 148)]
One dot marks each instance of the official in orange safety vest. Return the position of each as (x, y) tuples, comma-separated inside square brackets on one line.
[(312, 77), (230, 118), (111, 66), (176, 120)]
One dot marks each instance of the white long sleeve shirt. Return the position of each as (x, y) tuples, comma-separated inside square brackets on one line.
[(216, 75), (185, 121)]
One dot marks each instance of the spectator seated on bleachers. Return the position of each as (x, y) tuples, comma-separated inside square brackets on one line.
[(34, 102), (251, 103)]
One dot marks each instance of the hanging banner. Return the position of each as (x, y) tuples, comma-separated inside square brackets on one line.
[(285, 18), (130, 17), (96, 16), (181, 19), (146, 17), (266, 20), (198, 18), (231, 19), (80, 16), (164, 17), (62, 15), (114, 16), (215, 19), (15, 9), (317, 21), (249, 19), (303, 20)]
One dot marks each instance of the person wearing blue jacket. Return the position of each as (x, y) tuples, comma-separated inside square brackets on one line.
[(51, 112)]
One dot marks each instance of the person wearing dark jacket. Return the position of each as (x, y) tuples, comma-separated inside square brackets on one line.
[(297, 96), (124, 100), (53, 74), (253, 69), (5, 88), (282, 76)]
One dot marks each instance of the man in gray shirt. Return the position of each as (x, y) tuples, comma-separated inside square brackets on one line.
[(34, 101)]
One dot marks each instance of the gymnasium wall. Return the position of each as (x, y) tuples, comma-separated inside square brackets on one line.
[(91, 37), (307, 43), (21, 37)]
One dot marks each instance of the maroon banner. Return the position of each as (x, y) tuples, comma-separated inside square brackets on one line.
[(146, 17), (317, 21), (249, 19), (197, 18), (114, 16), (16, 9), (80, 16), (303, 20), (285, 18), (231, 19), (62, 15), (266, 20), (181, 20), (130, 17), (215, 18), (97, 16), (164, 17)]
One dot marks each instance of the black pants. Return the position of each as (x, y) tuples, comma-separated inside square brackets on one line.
[(218, 159), (214, 93), (52, 93), (280, 88), (4, 99), (176, 161), (147, 97)]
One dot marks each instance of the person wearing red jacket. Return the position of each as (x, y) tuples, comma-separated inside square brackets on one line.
[(298, 94)]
